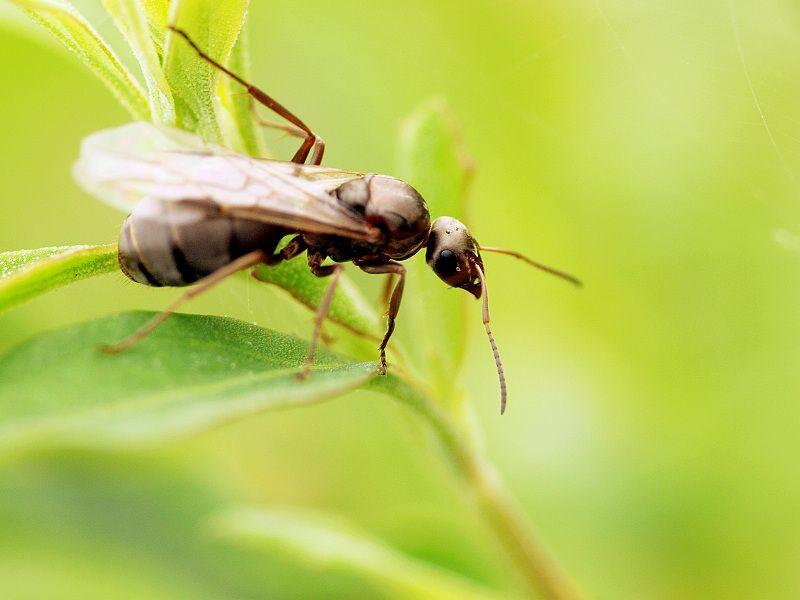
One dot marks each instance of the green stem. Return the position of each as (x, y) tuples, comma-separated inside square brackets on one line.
[(534, 563)]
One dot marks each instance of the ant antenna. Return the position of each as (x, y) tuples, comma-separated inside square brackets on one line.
[(500, 373), (566, 276)]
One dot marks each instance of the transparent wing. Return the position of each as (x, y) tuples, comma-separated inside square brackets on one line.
[(123, 165)]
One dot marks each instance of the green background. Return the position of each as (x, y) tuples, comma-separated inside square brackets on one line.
[(651, 148)]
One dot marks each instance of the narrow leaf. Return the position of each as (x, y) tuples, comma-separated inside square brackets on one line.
[(324, 543), (192, 373), (157, 12), (65, 23), (131, 19), (239, 130), (433, 160), (193, 81), (25, 274)]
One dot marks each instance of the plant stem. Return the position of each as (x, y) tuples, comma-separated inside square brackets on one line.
[(536, 565), (533, 560)]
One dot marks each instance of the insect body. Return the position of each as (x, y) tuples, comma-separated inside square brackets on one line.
[(200, 212), (177, 242)]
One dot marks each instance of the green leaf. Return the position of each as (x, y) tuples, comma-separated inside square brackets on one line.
[(433, 160), (322, 542), (64, 22), (348, 308), (239, 130), (131, 19), (28, 273), (192, 373), (157, 12), (194, 81)]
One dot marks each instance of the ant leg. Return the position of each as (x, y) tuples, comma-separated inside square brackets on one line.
[(261, 122), (295, 247), (205, 284), (386, 291), (319, 143), (335, 271), (391, 268), (319, 150), (292, 249), (311, 140)]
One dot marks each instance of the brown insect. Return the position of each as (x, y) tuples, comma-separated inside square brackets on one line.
[(200, 213)]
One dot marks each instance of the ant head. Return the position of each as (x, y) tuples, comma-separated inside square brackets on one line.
[(454, 256)]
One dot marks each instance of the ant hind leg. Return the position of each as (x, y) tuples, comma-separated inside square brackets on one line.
[(334, 272), (205, 284), (390, 268), (311, 140)]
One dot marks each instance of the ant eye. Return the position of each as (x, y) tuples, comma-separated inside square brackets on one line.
[(446, 263)]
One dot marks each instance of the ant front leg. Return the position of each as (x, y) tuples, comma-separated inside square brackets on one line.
[(310, 140), (390, 268), (334, 272)]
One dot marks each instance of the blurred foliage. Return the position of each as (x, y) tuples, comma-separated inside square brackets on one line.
[(651, 148), (431, 157)]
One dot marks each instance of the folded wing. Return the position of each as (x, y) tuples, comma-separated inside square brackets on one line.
[(123, 165)]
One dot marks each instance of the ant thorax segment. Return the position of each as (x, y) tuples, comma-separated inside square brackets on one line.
[(388, 204)]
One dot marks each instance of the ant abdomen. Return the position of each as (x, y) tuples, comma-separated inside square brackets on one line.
[(176, 243)]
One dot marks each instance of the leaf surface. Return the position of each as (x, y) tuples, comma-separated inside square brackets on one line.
[(239, 130), (193, 80), (131, 19), (25, 274), (192, 373)]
